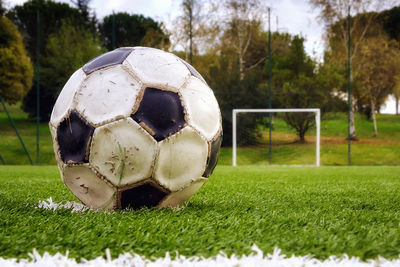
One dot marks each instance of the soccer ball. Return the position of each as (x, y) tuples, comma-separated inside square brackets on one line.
[(136, 127)]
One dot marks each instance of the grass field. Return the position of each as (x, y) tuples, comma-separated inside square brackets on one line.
[(10, 147), (302, 210), (368, 150)]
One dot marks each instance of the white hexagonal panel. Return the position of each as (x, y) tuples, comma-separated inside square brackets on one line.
[(53, 133), (65, 99), (123, 152), (157, 68), (56, 149), (182, 159), (107, 94), (202, 107), (92, 190), (177, 198)]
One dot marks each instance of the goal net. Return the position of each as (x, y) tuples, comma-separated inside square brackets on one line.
[(251, 129)]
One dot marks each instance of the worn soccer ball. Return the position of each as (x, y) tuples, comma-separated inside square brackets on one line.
[(136, 127)]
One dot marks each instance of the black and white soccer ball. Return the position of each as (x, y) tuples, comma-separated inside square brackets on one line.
[(136, 127)]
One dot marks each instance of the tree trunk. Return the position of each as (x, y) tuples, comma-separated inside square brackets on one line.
[(374, 118), (240, 52), (302, 137), (397, 105), (352, 124), (241, 66)]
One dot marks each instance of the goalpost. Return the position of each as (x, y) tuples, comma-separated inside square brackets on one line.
[(317, 112)]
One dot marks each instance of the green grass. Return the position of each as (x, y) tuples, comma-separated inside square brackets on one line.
[(304, 154), (10, 146), (302, 210), (368, 150), (335, 125)]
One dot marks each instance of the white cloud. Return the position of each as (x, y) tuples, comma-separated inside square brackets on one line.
[(390, 106), (157, 9), (297, 17)]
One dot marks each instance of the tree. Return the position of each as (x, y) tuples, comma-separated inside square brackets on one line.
[(380, 61), (88, 15), (391, 22), (16, 71), (66, 51), (83, 7), (51, 16), (191, 11), (333, 13), (300, 86), (232, 92), (249, 92), (244, 19), (391, 26), (196, 28), (2, 8), (396, 94), (133, 30)]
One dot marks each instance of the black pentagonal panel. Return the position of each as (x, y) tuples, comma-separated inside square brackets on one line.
[(214, 155), (141, 196), (160, 113), (193, 71), (114, 57), (74, 135)]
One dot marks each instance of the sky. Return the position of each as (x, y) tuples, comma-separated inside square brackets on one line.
[(293, 16)]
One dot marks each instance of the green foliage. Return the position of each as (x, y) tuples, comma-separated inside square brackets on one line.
[(391, 22), (16, 71), (366, 29), (331, 80), (243, 85), (2, 8), (233, 92), (304, 211), (132, 30), (195, 21), (88, 16), (66, 51), (52, 15), (380, 61), (301, 87)]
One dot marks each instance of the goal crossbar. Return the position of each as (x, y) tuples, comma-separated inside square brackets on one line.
[(317, 112)]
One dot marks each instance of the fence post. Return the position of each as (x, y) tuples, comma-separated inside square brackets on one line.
[(318, 124), (15, 129), (3, 160), (234, 137), (37, 84)]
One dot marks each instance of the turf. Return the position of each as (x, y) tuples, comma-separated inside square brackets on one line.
[(367, 150), (381, 150), (304, 154), (302, 210), (10, 147)]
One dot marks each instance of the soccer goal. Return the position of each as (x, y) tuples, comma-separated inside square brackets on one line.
[(252, 112)]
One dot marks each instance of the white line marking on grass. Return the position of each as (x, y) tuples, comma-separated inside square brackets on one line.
[(48, 204), (257, 258)]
